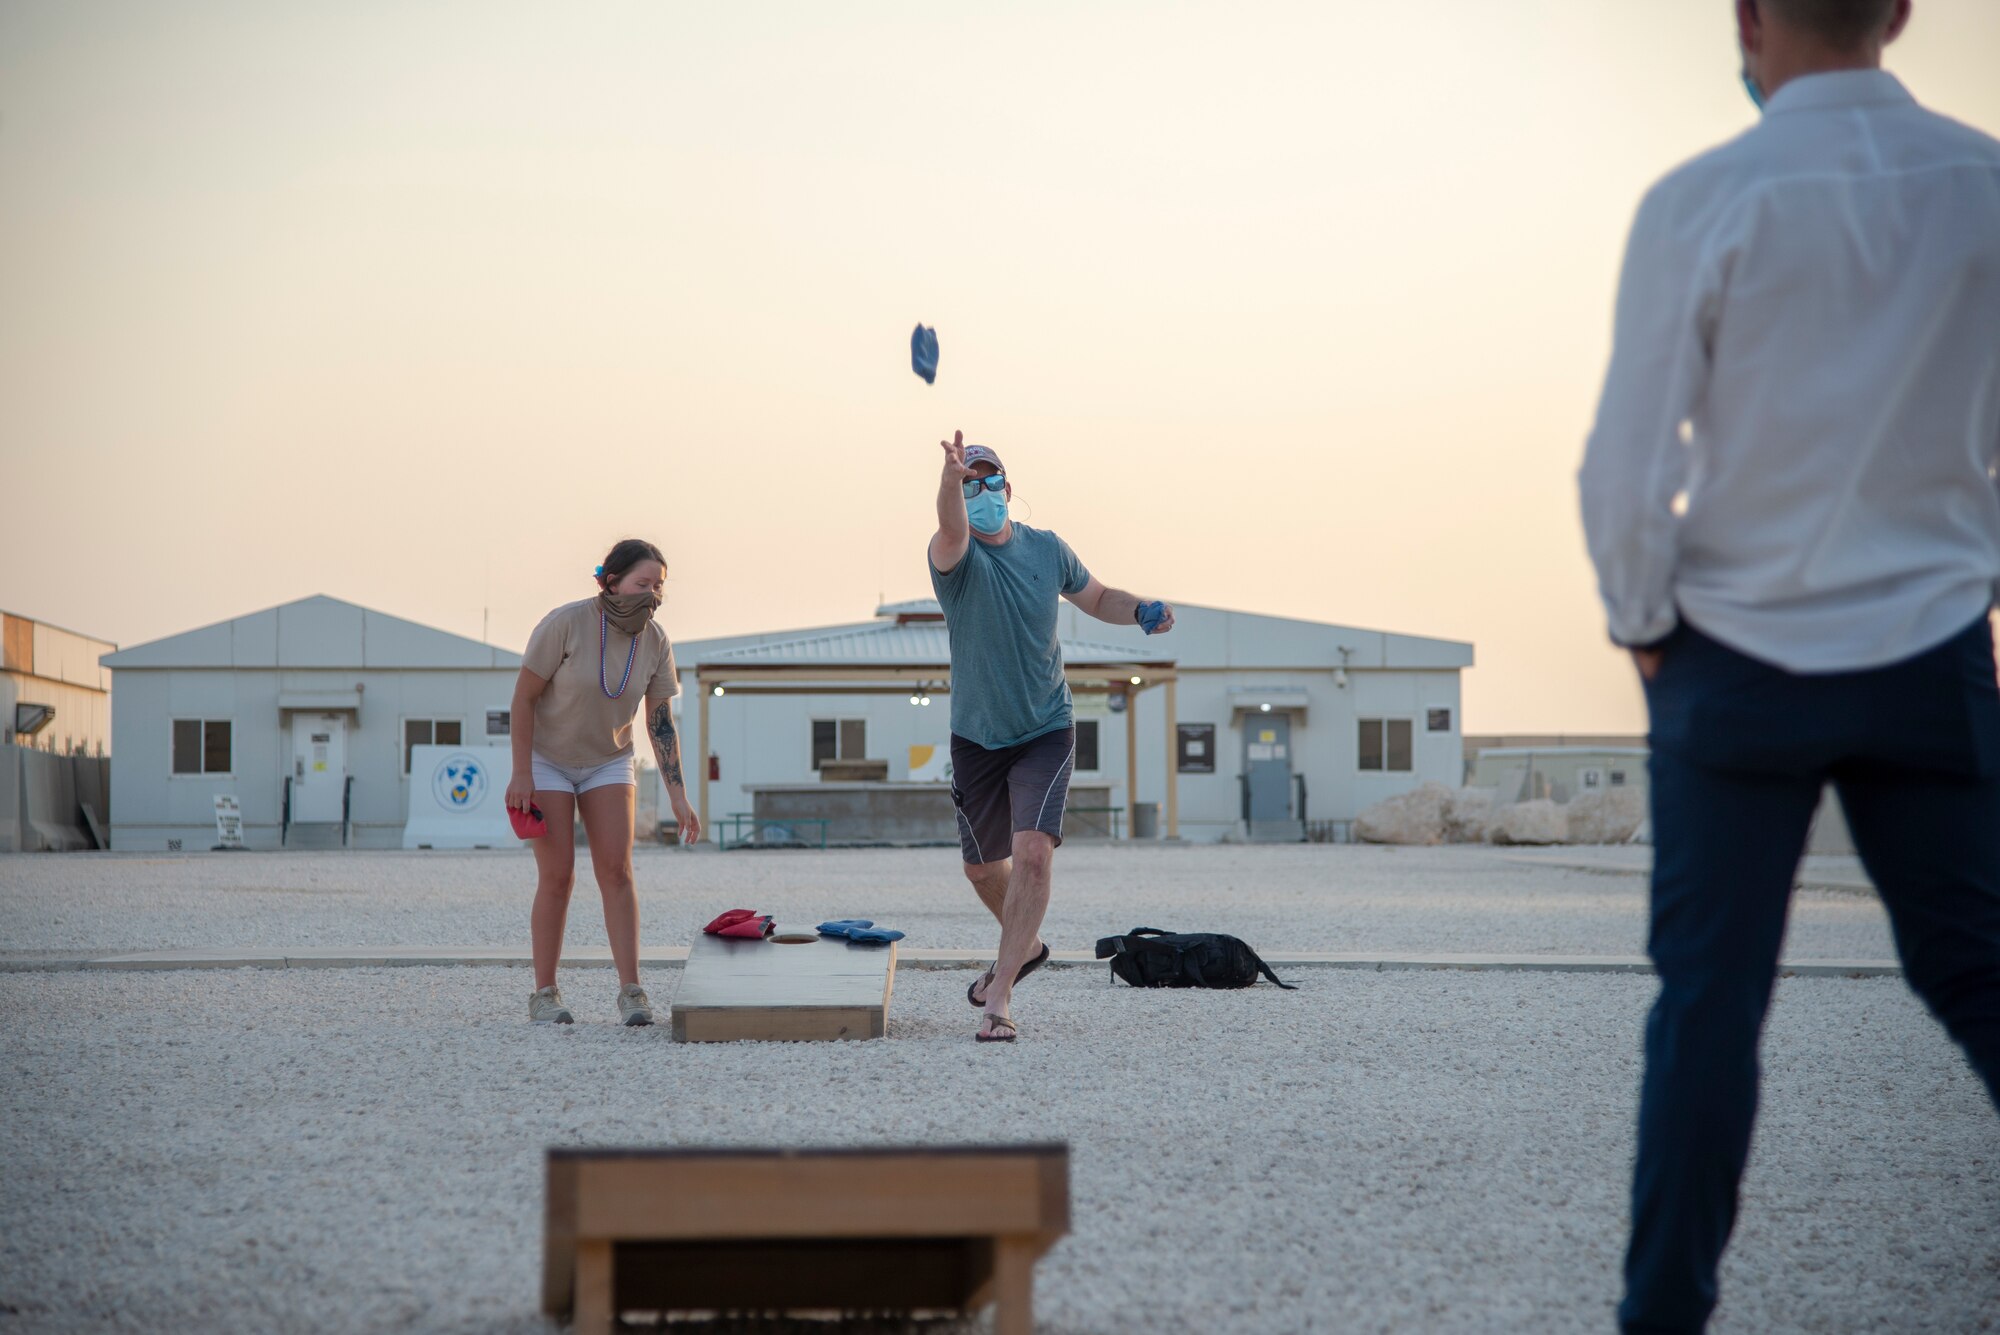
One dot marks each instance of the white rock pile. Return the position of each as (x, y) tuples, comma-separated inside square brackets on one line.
[(1415, 817), (1435, 814)]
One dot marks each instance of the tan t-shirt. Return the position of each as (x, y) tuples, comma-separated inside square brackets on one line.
[(576, 723)]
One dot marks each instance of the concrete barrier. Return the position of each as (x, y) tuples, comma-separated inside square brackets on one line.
[(41, 798)]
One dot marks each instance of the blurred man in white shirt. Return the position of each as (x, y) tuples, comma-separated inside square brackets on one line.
[(1790, 498)]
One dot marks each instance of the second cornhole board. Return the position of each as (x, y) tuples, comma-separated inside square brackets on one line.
[(881, 1229), (737, 989)]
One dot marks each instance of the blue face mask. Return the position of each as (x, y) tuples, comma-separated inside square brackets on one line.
[(1756, 93), (987, 511)]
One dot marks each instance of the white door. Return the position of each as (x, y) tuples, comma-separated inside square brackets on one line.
[(319, 766)]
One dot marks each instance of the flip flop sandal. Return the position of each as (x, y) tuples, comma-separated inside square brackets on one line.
[(985, 979), (983, 1037)]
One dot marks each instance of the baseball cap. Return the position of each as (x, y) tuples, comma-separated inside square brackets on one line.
[(982, 454)]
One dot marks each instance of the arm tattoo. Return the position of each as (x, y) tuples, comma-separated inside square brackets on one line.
[(666, 745)]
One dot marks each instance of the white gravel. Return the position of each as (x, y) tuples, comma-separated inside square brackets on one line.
[(361, 1150), (1310, 897)]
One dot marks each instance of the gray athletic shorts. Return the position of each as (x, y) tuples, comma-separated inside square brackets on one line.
[(1000, 793)]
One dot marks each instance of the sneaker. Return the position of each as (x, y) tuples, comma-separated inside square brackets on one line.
[(633, 1008), (546, 1007)]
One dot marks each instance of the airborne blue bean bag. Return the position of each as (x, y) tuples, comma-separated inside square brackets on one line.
[(924, 353)]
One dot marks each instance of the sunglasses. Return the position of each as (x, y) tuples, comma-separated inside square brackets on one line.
[(972, 486)]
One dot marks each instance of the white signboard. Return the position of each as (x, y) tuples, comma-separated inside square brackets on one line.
[(458, 797), (228, 821)]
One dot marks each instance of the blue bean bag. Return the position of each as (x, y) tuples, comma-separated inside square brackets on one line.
[(924, 353), (861, 931)]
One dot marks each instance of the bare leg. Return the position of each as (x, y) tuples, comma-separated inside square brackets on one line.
[(555, 876), (1021, 917), (607, 820), (989, 882)]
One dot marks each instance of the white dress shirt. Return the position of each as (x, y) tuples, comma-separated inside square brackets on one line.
[(1797, 443)]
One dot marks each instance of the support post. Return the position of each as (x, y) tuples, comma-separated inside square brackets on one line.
[(1132, 763), (1014, 1284), (701, 760), (593, 1314), (1173, 754)]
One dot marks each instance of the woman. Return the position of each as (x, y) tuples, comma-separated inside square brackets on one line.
[(586, 666)]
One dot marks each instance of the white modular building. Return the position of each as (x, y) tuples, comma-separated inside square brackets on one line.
[(1267, 728), (307, 714)]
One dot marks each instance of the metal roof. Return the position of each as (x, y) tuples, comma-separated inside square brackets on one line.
[(897, 644), (1204, 639), (911, 607), (315, 632)]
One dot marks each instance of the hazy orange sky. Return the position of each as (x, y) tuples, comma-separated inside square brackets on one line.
[(1294, 308)]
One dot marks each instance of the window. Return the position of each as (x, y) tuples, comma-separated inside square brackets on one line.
[(201, 746), (1086, 744), (430, 732), (839, 739), (1385, 744), (1194, 746)]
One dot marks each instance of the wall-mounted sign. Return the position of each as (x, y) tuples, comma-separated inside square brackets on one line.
[(1439, 720), (1194, 746)]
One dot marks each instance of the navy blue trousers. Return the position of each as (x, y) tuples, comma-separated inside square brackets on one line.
[(1741, 752)]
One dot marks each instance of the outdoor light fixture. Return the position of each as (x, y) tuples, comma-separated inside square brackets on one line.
[(716, 691), (1340, 673), (1135, 681), (1263, 709), (30, 719)]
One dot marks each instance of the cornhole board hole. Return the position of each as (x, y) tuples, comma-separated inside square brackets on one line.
[(766, 1231), (735, 988)]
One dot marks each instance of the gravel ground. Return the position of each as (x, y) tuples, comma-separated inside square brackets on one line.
[(1440, 1151), (1310, 897)]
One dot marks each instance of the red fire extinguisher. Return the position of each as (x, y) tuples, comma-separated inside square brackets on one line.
[(714, 767)]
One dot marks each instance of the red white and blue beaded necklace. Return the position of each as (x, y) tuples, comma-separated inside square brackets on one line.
[(604, 635)]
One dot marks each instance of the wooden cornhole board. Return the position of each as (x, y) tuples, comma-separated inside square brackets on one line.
[(812, 1230), (828, 988)]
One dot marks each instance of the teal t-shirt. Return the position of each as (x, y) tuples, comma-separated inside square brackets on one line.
[(1000, 603)]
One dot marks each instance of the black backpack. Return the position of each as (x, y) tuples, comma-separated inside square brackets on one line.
[(1149, 957)]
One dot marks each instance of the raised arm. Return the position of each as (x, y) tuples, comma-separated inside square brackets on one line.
[(528, 688), (953, 532), (666, 739), (1116, 606)]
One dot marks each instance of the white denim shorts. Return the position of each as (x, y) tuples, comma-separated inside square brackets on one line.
[(553, 778)]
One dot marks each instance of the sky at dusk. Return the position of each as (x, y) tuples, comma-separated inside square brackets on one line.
[(1294, 308)]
